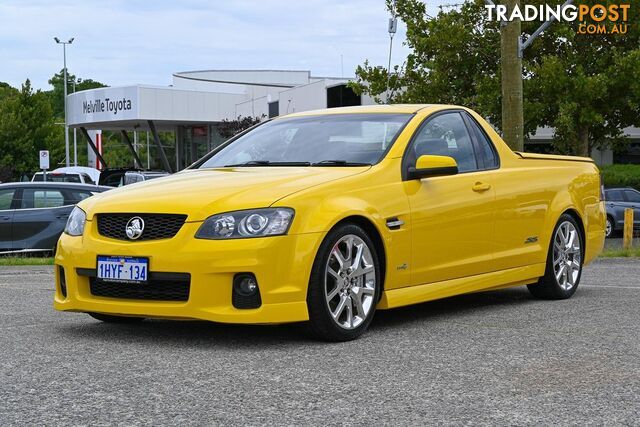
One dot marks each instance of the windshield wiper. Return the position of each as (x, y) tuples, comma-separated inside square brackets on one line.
[(339, 163), (267, 163)]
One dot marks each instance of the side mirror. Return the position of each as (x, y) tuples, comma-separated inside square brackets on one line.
[(430, 166)]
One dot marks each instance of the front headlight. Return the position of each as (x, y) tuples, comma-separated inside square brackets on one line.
[(249, 223), (75, 223)]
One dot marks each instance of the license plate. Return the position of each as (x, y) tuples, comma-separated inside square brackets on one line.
[(123, 269)]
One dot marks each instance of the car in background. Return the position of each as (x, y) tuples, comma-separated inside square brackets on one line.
[(33, 214), (118, 177), (617, 200), (75, 174), (131, 177)]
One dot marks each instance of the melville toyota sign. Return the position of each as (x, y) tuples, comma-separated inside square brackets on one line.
[(106, 104), (100, 105)]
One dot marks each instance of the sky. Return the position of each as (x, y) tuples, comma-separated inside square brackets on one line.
[(120, 42)]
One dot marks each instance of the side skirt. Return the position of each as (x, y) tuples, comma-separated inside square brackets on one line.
[(482, 282)]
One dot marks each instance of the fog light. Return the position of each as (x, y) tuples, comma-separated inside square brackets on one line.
[(245, 293), (247, 286)]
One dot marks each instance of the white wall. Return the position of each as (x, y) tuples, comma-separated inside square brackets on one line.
[(303, 98)]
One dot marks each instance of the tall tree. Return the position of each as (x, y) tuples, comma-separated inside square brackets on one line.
[(57, 93), (585, 86), (27, 125)]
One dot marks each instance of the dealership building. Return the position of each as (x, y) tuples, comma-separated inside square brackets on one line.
[(197, 102)]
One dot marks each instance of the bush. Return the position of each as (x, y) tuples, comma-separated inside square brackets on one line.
[(621, 176)]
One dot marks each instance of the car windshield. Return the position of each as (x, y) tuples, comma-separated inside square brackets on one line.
[(326, 140)]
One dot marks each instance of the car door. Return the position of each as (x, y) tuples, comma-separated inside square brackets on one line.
[(6, 218), (632, 198), (451, 216), (40, 218)]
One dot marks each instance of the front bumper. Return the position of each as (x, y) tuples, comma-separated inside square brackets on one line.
[(282, 266)]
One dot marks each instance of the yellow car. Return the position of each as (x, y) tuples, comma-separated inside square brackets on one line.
[(326, 216)]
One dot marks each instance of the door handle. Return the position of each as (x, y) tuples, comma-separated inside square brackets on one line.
[(480, 187), (5, 218)]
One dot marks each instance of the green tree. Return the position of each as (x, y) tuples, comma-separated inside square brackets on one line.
[(27, 125), (585, 86), (57, 93)]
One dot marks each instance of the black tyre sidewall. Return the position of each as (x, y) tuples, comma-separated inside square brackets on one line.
[(610, 221), (321, 322)]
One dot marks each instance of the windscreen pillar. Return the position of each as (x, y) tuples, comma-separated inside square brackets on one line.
[(93, 147), (126, 139), (156, 139)]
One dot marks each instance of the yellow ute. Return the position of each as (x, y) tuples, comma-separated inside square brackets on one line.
[(326, 216)]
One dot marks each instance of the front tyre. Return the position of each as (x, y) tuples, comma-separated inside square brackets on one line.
[(344, 286), (107, 318), (564, 262)]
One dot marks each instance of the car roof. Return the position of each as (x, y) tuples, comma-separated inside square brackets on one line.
[(92, 172), (373, 109), (620, 188), (60, 185)]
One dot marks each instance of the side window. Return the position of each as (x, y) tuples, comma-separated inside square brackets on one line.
[(78, 196), (487, 149), (632, 196), (34, 198), (613, 196), (6, 197), (447, 135), (87, 179)]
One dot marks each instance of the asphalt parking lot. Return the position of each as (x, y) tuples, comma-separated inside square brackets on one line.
[(492, 358)]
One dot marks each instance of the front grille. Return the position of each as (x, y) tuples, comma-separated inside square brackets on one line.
[(156, 226), (153, 290)]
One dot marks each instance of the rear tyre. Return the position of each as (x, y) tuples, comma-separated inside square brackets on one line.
[(107, 318), (344, 287), (564, 262)]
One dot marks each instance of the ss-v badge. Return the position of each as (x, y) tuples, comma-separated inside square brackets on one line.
[(531, 239)]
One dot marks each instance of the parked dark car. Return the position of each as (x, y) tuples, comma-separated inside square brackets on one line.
[(34, 214), (125, 176), (617, 200)]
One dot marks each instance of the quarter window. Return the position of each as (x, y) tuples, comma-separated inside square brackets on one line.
[(6, 197), (447, 135), (487, 149), (632, 196)]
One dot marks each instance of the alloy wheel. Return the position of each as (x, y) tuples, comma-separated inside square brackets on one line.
[(350, 282), (609, 228), (567, 255)]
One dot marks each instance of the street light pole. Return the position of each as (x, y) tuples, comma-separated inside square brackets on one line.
[(75, 137), (66, 123)]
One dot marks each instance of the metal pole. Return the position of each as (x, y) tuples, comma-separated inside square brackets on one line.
[(148, 153), (66, 124), (75, 138), (156, 138)]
